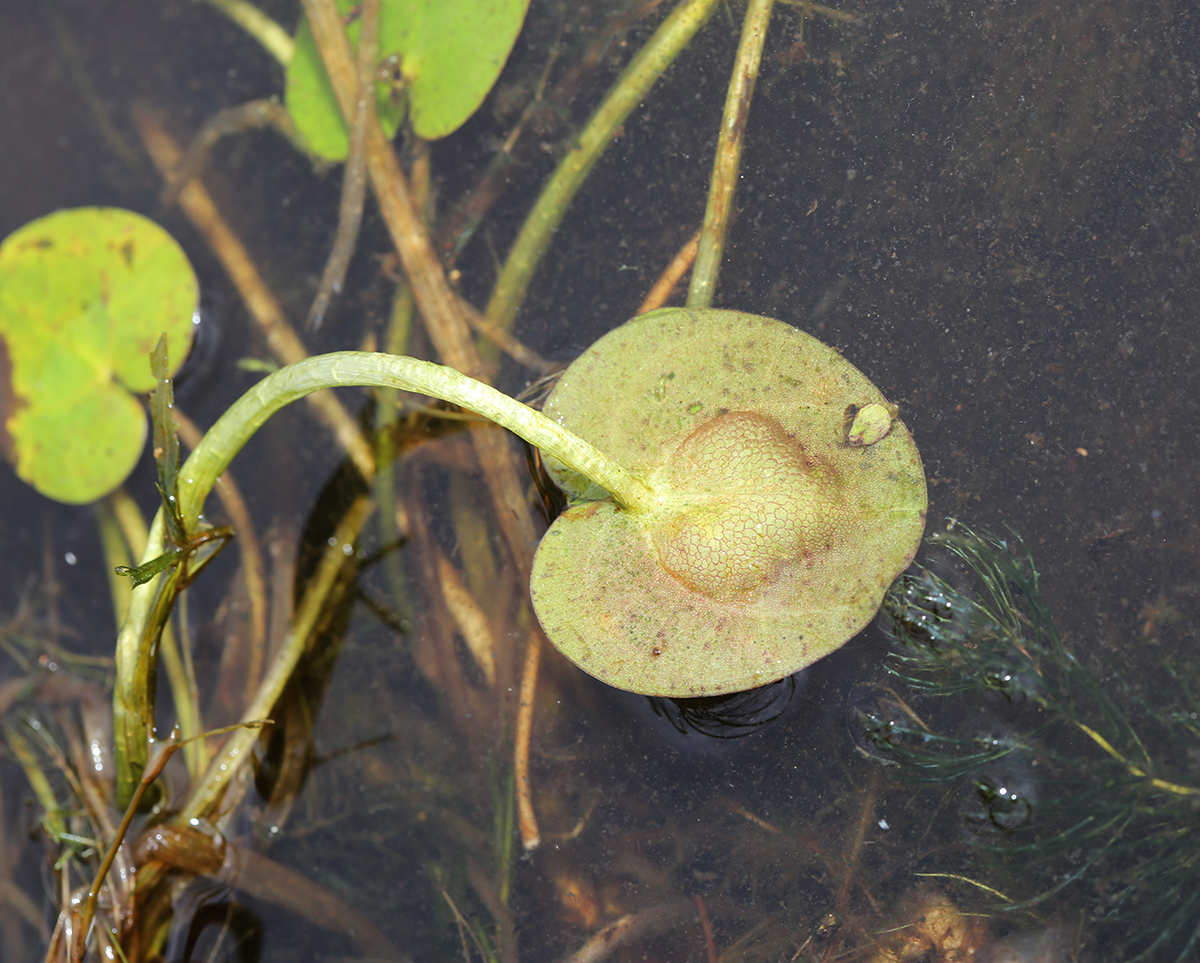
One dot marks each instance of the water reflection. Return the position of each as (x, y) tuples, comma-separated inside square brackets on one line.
[(733, 716)]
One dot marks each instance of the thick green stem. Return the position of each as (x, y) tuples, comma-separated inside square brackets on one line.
[(132, 533), (225, 439), (634, 83), (729, 154)]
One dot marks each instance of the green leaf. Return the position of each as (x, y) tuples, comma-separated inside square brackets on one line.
[(84, 296), (771, 540), (449, 52), (166, 442), (141, 574)]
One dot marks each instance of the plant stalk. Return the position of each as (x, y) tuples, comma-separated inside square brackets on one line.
[(729, 154), (359, 368), (548, 211), (234, 428), (439, 306), (235, 752), (275, 40)]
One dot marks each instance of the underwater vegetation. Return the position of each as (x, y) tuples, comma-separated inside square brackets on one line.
[(1088, 791)]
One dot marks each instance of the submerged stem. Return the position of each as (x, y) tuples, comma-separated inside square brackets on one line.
[(277, 41), (660, 51), (1137, 771), (729, 154)]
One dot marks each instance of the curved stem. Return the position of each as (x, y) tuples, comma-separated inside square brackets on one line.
[(225, 439), (277, 41), (358, 368)]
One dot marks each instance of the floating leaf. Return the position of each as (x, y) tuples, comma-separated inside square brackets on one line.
[(84, 296), (448, 54), (774, 538)]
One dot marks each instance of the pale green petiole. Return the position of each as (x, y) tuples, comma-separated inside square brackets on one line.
[(360, 368), (236, 426)]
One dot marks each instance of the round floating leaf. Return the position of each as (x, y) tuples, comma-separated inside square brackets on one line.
[(84, 296), (774, 538), (448, 54)]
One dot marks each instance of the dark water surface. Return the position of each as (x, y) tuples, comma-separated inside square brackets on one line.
[(991, 209)]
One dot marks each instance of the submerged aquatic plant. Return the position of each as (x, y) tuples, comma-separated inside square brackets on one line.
[(1115, 820)]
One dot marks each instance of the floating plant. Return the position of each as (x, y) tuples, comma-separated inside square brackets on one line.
[(783, 506), (84, 296), (728, 524), (439, 60)]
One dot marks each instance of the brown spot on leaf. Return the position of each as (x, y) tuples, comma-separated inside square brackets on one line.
[(10, 402)]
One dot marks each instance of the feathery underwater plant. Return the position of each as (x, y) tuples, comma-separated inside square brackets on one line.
[(1113, 817)]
